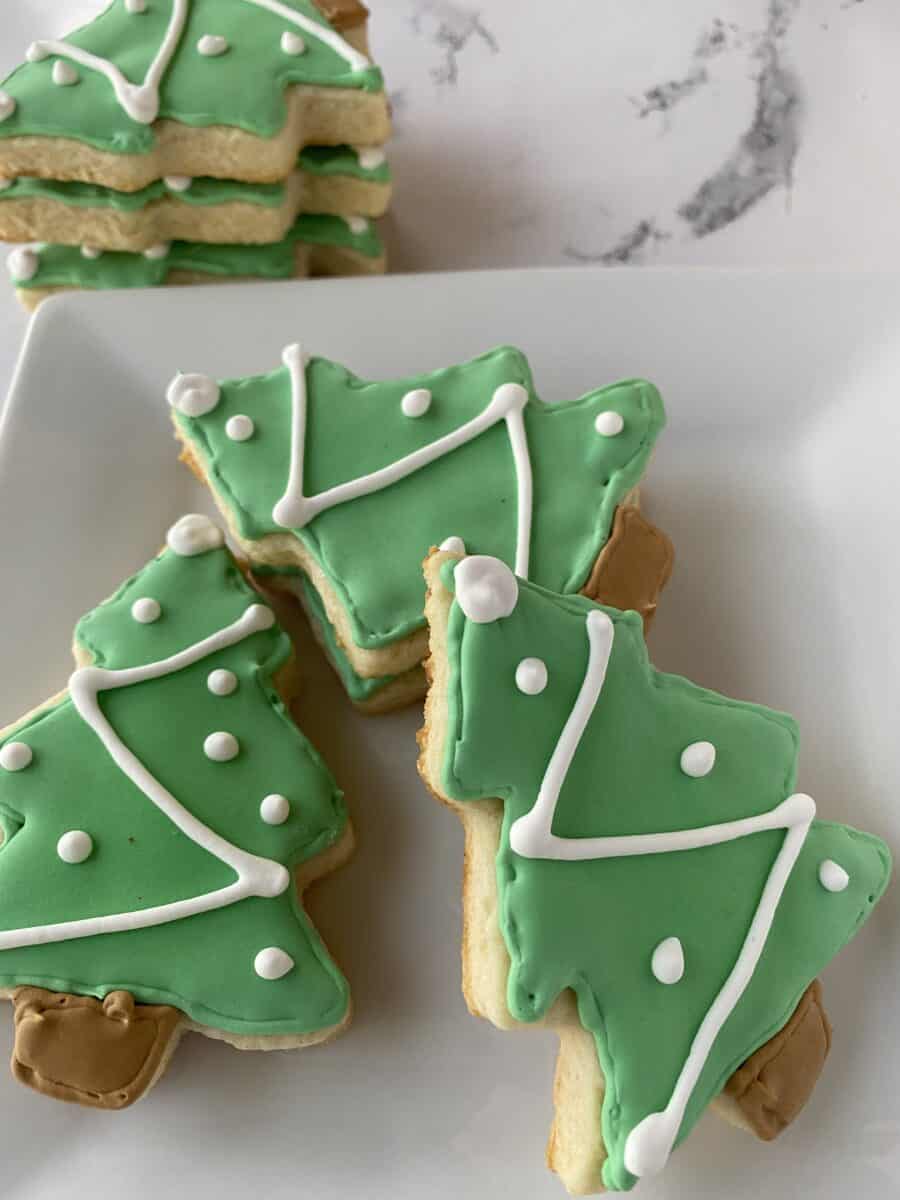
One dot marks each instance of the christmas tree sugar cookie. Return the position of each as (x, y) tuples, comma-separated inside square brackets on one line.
[(337, 180), (160, 818), (316, 245), (322, 474), (640, 873), (151, 89)]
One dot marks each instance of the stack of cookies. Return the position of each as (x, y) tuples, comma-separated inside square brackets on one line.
[(641, 875), (182, 141)]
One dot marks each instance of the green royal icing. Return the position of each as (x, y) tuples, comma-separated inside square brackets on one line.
[(593, 925), (66, 266), (371, 548), (202, 964), (203, 192), (243, 87)]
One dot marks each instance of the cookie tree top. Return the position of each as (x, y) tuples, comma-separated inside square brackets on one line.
[(653, 855), (197, 62), (368, 476), (152, 814)]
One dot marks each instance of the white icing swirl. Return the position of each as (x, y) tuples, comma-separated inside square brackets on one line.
[(178, 183), (453, 545), (486, 589), (194, 534), (7, 105), (194, 395)]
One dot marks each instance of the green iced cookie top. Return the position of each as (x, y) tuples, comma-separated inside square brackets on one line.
[(186, 878), (202, 191), (650, 847), (389, 469), (357, 687), (198, 62), (67, 266)]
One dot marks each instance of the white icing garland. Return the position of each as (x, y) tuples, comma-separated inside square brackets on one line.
[(256, 876), (650, 1142), (295, 510), (141, 101)]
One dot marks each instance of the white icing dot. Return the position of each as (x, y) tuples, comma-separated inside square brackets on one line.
[(453, 545), (239, 428), (531, 676), (698, 759), (15, 756), (416, 403), (221, 747), (292, 43), (160, 250), (211, 45), (36, 52), (6, 183), (146, 610), (192, 394), (221, 683), (667, 963), (832, 877), (275, 809), (75, 846), (272, 963), (64, 74), (90, 251), (23, 264), (7, 105), (178, 183), (136, 6), (357, 225), (194, 534), (486, 589), (608, 424), (370, 157)]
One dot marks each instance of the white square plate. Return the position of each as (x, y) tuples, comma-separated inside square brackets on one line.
[(778, 481)]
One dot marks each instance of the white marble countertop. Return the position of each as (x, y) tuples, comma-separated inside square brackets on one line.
[(702, 133)]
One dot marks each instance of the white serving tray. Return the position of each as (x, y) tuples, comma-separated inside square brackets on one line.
[(778, 480)]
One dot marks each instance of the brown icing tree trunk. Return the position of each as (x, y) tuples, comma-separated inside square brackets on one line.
[(102, 1053)]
